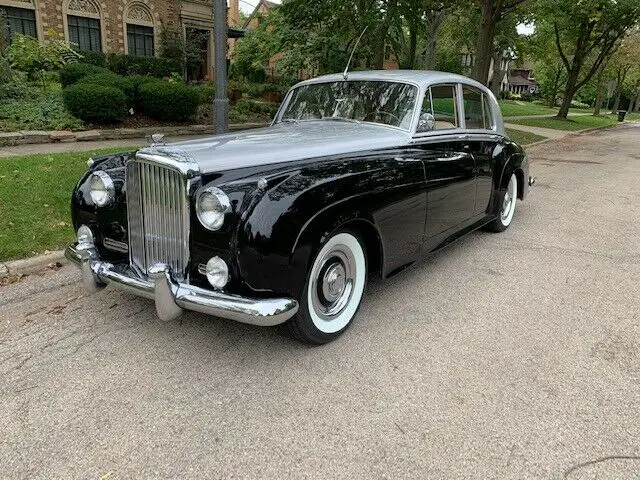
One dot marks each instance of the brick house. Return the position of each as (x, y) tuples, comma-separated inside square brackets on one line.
[(115, 26)]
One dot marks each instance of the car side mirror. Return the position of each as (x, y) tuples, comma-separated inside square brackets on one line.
[(427, 123)]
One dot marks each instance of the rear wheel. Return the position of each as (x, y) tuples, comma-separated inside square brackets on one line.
[(333, 290), (508, 207)]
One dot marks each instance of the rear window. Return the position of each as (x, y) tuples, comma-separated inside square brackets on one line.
[(477, 112)]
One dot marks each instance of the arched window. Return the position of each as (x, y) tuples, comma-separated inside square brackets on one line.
[(139, 30), (18, 17), (83, 24)]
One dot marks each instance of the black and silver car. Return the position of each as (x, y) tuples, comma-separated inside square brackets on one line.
[(358, 175)]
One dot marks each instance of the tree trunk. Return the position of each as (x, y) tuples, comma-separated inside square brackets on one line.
[(434, 20), (413, 44), (569, 92), (599, 90), (616, 104), (551, 100), (484, 43), (637, 109), (498, 73)]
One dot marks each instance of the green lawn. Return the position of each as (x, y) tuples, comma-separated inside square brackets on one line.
[(35, 197), (514, 108), (571, 124), (523, 138)]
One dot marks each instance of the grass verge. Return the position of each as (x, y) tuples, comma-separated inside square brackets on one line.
[(35, 197), (572, 124), (523, 138)]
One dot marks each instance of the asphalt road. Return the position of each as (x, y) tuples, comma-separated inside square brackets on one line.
[(508, 356)]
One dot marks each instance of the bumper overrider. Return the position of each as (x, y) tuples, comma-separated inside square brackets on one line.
[(172, 298)]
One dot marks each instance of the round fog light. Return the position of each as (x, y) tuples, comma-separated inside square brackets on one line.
[(217, 272), (84, 237)]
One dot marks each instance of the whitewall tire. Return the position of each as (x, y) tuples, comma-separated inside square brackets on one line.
[(507, 207), (333, 290)]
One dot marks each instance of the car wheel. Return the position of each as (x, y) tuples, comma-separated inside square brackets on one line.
[(508, 207), (333, 290)]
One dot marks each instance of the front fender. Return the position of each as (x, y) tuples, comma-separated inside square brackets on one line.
[(285, 227)]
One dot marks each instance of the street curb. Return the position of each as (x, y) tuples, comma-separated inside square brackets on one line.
[(11, 139), (29, 266), (572, 134)]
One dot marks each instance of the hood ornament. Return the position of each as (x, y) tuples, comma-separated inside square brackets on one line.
[(156, 139)]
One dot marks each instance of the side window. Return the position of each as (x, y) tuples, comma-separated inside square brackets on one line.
[(477, 112), (440, 101)]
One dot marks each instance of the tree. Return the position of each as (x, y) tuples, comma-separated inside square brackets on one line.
[(585, 34), (492, 12)]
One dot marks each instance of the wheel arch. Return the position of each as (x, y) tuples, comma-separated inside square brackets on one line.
[(316, 231)]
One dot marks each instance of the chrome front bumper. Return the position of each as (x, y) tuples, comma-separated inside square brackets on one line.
[(171, 297)]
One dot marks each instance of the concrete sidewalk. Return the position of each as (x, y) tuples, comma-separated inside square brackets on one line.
[(36, 148), (545, 132)]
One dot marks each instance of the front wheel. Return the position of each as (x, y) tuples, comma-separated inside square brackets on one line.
[(333, 290), (502, 222)]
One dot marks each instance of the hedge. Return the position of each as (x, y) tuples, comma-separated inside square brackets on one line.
[(72, 73), (153, 66), (95, 103), (168, 100)]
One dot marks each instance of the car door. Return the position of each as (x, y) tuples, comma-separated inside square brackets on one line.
[(482, 142), (449, 166)]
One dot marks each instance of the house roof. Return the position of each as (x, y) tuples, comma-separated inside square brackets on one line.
[(266, 3), (521, 77)]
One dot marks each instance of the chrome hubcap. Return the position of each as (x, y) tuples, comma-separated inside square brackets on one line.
[(333, 283), (508, 201)]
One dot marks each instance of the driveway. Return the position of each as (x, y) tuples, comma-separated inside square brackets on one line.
[(506, 356)]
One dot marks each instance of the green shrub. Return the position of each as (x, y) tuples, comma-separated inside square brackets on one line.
[(246, 107), (45, 113), (13, 90), (579, 104), (70, 74), (168, 100), (207, 92), (6, 75), (95, 103), (133, 65), (97, 59)]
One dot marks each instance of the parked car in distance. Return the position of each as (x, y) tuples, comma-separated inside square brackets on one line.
[(358, 175)]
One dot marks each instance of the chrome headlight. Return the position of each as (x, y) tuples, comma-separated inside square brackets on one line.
[(211, 206), (101, 188)]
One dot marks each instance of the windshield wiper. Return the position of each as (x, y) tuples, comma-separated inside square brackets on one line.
[(289, 120)]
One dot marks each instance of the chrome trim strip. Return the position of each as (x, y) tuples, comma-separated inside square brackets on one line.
[(171, 297), (115, 245)]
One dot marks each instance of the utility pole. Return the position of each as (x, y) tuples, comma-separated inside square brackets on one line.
[(221, 100)]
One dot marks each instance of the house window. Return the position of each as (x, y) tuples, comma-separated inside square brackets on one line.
[(140, 40), (85, 33), (18, 20)]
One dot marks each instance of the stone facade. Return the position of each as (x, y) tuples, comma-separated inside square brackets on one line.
[(52, 17)]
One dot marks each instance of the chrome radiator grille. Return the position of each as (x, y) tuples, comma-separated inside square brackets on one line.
[(158, 214)]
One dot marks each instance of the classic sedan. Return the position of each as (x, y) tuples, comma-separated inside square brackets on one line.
[(358, 174)]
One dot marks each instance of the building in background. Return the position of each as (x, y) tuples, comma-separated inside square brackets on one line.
[(118, 26)]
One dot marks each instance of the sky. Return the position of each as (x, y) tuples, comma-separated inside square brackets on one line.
[(247, 6)]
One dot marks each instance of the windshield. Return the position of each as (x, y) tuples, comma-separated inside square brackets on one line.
[(386, 103)]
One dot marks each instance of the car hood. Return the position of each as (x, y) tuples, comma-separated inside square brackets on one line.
[(283, 142)]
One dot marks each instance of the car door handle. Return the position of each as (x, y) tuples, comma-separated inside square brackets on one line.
[(464, 137)]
